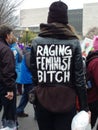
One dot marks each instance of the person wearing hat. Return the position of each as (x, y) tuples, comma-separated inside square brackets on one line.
[(92, 69), (57, 69)]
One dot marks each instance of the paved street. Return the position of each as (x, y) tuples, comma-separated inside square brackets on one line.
[(29, 123)]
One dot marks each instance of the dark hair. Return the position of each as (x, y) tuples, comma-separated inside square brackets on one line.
[(4, 30)]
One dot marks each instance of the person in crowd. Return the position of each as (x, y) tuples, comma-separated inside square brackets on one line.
[(21, 46), (26, 80), (57, 69), (18, 59), (92, 74), (7, 79)]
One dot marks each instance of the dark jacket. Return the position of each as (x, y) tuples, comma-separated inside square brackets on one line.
[(56, 60), (92, 68), (7, 66)]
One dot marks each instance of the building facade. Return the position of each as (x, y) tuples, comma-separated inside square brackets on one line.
[(82, 19), (90, 17)]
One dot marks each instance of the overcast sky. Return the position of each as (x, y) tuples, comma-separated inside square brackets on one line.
[(72, 4)]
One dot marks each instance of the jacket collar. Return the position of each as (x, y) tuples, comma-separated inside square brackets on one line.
[(4, 41), (56, 30)]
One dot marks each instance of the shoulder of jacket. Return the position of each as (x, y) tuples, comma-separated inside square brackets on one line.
[(44, 40), (4, 47)]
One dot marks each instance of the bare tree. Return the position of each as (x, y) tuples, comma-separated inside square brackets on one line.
[(8, 8), (93, 31)]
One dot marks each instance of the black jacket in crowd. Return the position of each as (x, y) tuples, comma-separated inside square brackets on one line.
[(68, 72), (7, 67)]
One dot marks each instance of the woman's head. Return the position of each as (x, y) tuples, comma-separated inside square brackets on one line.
[(58, 12), (95, 43)]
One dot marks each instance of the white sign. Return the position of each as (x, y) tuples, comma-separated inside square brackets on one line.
[(86, 46)]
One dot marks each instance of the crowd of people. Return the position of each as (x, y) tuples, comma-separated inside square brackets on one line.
[(53, 67), (14, 74)]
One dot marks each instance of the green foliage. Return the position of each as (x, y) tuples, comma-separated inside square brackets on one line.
[(27, 37)]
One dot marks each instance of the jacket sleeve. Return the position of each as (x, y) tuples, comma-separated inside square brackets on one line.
[(8, 69), (79, 79), (33, 66), (93, 66)]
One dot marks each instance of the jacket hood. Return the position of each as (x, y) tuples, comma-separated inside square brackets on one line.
[(56, 30), (92, 55)]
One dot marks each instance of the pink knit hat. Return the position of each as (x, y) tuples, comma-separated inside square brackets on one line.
[(95, 43)]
